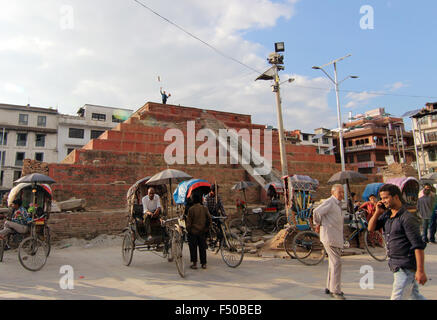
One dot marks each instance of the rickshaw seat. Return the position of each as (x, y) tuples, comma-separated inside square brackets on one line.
[(303, 227)]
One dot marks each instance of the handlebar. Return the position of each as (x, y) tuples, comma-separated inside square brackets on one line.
[(219, 217)]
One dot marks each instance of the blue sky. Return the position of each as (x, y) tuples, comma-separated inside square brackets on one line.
[(401, 49), (111, 52)]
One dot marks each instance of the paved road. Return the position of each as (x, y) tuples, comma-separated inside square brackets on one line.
[(99, 274)]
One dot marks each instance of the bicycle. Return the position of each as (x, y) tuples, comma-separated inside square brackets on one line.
[(374, 242), (229, 244), (265, 220)]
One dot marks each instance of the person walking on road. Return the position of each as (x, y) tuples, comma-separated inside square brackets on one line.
[(198, 223), (405, 246), (425, 206), (329, 222)]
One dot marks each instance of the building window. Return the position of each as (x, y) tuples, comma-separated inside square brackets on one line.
[(96, 133), (19, 157), (23, 119), (3, 157), (349, 143), (1, 178), (39, 156), (316, 141), (21, 139), (325, 141), (366, 141), (430, 137), (351, 159), (363, 157), (115, 119), (98, 116), (380, 156), (76, 133), (17, 175), (4, 138), (40, 140), (365, 170), (70, 150), (305, 137), (327, 152), (42, 121), (432, 154)]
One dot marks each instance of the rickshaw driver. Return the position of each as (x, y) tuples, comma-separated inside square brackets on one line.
[(18, 222), (214, 206), (151, 210)]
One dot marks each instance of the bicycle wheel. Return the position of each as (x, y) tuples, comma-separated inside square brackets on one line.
[(281, 222), (32, 254), (177, 247), (268, 227), (170, 256), (232, 249), (375, 245), (2, 249), (127, 249), (288, 242), (307, 248)]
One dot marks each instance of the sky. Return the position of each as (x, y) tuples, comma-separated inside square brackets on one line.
[(117, 53)]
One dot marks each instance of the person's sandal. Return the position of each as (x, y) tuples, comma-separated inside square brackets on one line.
[(193, 266), (203, 266)]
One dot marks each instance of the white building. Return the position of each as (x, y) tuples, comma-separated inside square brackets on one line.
[(29, 133), (322, 138), (425, 135), (75, 131)]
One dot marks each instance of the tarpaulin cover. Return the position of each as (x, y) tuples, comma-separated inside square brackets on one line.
[(372, 188), (401, 182), (184, 189)]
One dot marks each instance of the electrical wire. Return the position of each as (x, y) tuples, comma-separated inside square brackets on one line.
[(260, 73)]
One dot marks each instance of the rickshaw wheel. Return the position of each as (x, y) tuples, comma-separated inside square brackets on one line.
[(32, 254), (47, 239), (168, 244), (288, 242), (232, 250), (127, 250), (308, 248), (375, 245), (2, 249), (281, 222), (176, 248)]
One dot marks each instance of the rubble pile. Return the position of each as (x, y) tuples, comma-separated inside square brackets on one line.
[(398, 170), (34, 166)]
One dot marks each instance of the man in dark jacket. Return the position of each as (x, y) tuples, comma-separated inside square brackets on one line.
[(405, 247), (198, 223)]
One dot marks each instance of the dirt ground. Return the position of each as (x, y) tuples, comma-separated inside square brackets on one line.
[(98, 273)]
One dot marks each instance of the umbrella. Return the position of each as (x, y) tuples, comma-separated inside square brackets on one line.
[(168, 176), (243, 185), (35, 178), (344, 177), (372, 188)]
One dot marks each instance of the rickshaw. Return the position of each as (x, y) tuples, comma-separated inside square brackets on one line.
[(166, 232), (268, 219), (409, 187), (300, 240), (219, 238), (34, 246)]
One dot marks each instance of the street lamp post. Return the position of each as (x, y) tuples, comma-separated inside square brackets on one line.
[(337, 84)]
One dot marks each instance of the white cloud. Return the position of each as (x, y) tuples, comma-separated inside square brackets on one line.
[(359, 98), (117, 49), (396, 86)]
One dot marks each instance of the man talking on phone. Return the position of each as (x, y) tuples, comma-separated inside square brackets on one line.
[(405, 246)]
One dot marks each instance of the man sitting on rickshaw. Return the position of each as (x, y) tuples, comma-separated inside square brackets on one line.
[(151, 210), (18, 222)]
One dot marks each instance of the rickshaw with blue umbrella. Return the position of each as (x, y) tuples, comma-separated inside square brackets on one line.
[(220, 237)]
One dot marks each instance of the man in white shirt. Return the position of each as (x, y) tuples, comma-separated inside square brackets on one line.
[(151, 209), (329, 223)]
